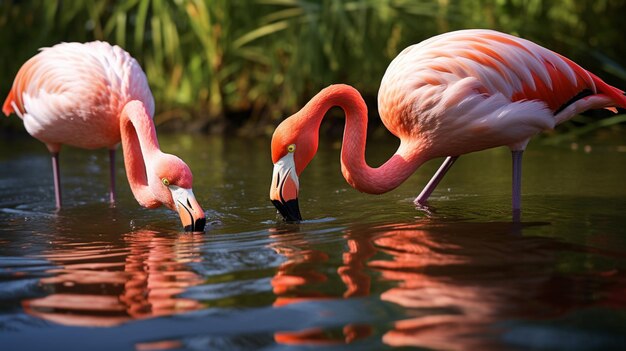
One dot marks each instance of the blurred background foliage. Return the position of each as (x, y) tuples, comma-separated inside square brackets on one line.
[(243, 65)]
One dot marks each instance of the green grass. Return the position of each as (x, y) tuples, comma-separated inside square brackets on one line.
[(210, 62)]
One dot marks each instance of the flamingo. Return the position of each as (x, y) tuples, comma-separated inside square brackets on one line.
[(452, 94), (94, 95)]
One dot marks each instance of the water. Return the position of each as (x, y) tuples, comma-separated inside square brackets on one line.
[(361, 272)]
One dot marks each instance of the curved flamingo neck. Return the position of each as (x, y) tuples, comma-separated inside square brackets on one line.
[(140, 146), (353, 165)]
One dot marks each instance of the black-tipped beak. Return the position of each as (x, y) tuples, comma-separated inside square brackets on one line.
[(290, 210), (197, 226), (284, 189), (189, 210)]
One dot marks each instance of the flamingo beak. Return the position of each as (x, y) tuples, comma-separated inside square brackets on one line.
[(284, 189), (189, 210)]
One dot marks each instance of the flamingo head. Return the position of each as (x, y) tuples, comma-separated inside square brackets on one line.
[(294, 144), (170, 183)]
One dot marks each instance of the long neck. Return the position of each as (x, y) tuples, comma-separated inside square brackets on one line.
[(140, 143), (353, 165)]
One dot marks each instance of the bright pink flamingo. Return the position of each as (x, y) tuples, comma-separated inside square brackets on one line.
[(452, 94), (92, 96)]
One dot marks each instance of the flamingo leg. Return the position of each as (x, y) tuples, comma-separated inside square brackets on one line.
[(434, 181), (517, 184), (57, 178), (112, 174)]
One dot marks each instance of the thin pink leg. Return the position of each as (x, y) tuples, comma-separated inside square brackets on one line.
[(57, 178), (112, 174), (434, 181), (516, 197)]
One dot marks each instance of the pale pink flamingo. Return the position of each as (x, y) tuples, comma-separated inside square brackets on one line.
[(95, 95), (452, 94)]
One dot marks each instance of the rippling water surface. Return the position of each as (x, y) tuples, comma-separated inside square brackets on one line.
[(361, 272)]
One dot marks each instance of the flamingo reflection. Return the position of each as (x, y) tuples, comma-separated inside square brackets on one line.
[(103, 284), (297, 276), (444, 279), (447, 277)]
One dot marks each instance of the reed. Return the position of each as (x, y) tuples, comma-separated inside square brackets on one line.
[(214, 64)]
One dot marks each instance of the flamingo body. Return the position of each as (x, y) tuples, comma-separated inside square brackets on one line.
[(452, 94), (95, 95), (73, 94), (471, 90)]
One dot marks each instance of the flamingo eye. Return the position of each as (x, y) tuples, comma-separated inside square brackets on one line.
[(291, 148), (165, 181)]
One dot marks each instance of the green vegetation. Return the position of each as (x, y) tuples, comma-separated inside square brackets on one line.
[(246, 64)]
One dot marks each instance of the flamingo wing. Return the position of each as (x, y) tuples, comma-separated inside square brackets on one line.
[(57, 78)]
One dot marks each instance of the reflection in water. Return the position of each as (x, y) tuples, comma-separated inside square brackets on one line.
[(100, 284), (456, 286), (445, 280), (300, 272), (455, 282)]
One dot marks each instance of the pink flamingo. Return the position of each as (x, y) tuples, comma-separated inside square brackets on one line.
[(95, 95), (452, 94)]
